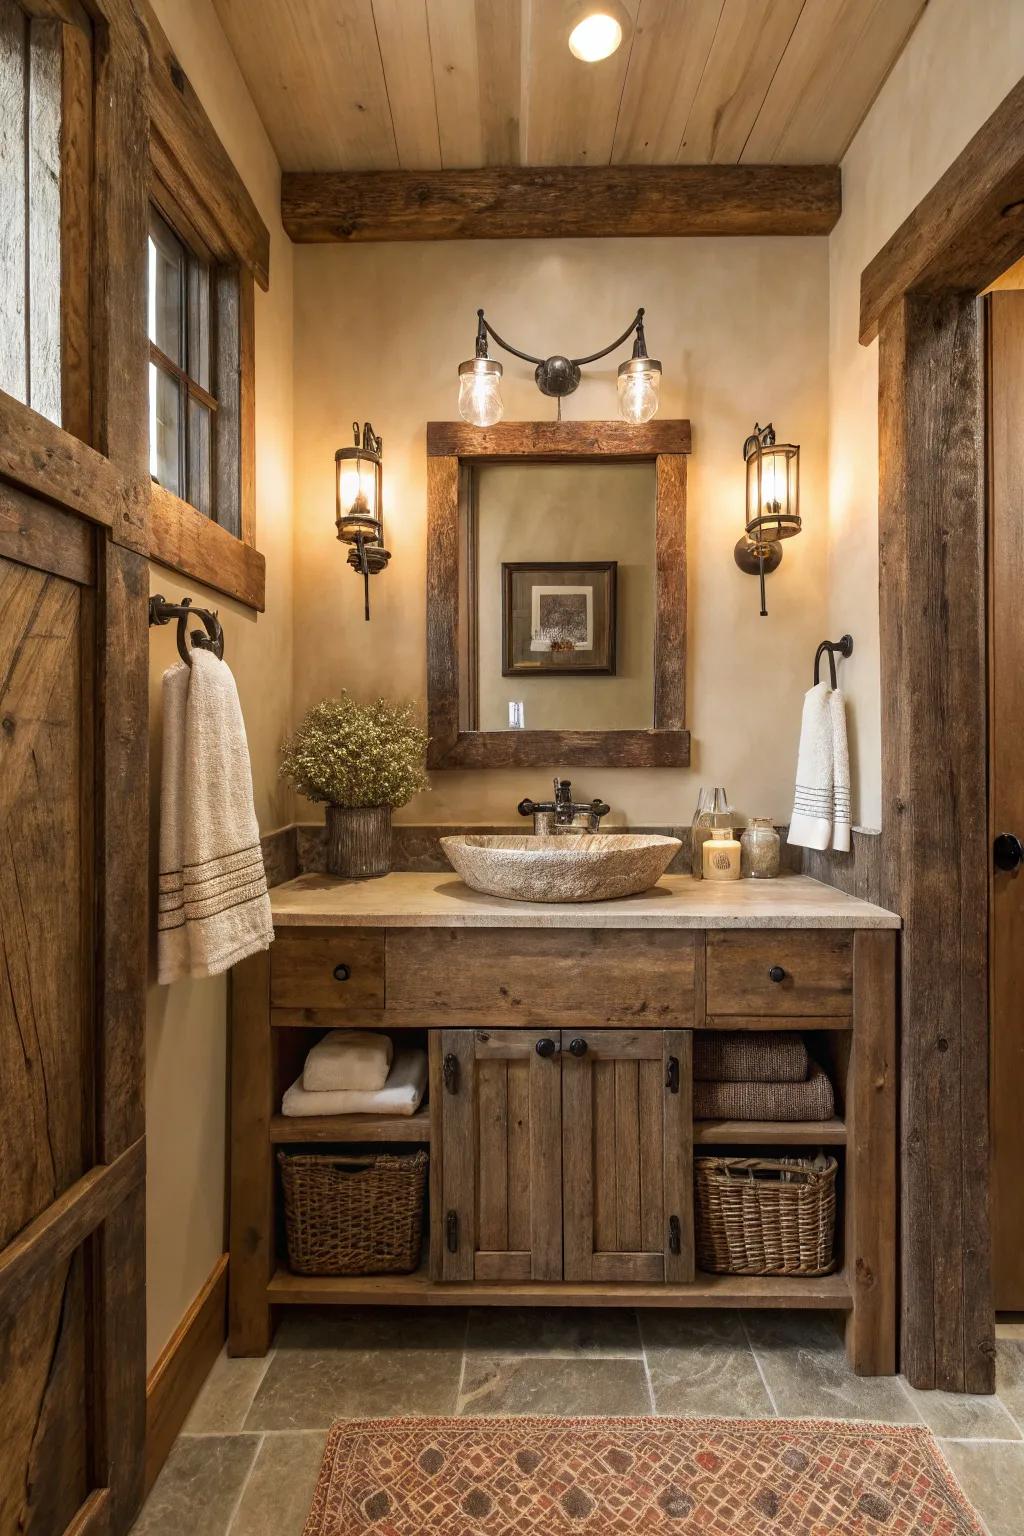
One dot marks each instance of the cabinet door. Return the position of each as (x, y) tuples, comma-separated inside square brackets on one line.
[(627, 1155), (500, 1215)]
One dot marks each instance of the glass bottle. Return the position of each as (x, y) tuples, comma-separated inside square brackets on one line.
[(713, 810), (760, 849)]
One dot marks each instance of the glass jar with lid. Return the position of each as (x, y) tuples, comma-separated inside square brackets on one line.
[(760, 849)]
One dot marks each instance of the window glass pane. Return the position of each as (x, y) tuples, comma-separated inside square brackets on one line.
[(165, 426), (199, 321), (200, 457), (166, 289)]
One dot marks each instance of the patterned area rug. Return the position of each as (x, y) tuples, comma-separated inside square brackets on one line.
[(607, 1477)]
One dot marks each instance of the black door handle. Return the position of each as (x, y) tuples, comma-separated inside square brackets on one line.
[(1007, 852), (672, 1074), (546, 1047), (776, 973), (578, 1047)]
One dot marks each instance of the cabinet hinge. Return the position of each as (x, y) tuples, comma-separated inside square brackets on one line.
[(450, 1073), (674, 1235), (451, 1229), (672, 1075)]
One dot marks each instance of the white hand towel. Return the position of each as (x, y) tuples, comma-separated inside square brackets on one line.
[(402, 1094), (810, 825), (172, 936), (348, 1059), (840, 772), (207, 810)]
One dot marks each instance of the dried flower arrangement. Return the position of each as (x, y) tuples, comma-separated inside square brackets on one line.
[(362, 759), (353, 754)]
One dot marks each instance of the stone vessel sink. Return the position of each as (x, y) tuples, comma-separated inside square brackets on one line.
[(568, 867)]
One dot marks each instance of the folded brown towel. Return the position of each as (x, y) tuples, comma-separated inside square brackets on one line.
[(750, 1056), (812, 1100)]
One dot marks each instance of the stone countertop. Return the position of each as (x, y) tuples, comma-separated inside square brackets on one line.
[(401, 900)]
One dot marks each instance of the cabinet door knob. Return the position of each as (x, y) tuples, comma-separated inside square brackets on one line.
[(342, 972), (776, 973), (546, 1047), (578, 1047), (1007, 852)]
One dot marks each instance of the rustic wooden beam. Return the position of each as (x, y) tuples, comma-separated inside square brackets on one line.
[(187, 542), (966, 231), (556, 440), (41, 458), (548, 202), (935, 845), (192, 162)]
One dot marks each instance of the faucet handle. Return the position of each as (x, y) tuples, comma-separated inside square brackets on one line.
[(599, 808)]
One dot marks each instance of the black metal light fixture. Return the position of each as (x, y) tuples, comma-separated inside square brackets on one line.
[(639, 378), (359, 519), (773, 503)]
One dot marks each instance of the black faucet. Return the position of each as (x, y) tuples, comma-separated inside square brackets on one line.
[(563, 813)]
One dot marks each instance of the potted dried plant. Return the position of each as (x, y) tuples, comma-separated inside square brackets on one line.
[(362, 760)]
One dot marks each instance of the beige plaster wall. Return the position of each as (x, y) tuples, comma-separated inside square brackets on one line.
[(741, 329), (186, 1024), (538, 512), (960, 62)]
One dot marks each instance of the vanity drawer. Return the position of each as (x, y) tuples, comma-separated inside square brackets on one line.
[(534, 976), (327, 968), (743, 973)]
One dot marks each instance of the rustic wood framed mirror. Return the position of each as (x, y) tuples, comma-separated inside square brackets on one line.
[(519, 518)]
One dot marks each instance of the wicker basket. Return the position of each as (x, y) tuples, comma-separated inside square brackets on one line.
[(766, 1216), (353, 1215)]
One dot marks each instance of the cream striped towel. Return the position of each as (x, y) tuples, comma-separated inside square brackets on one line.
[(821, 803), (213, 907)]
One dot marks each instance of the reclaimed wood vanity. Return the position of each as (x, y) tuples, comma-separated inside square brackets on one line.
[(564, 1176)]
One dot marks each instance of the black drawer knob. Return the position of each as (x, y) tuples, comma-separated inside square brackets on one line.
[(578, 1047), (776, 973), (342, 972), (546, 1047)]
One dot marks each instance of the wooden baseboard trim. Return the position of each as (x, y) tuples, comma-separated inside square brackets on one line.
[(183, 1366)]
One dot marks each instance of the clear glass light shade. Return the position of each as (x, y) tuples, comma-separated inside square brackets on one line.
[(357, 483), (595, 37), (773, 492), (639, 385), (480, 391)]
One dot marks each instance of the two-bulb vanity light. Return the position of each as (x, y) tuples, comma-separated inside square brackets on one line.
[(359, 518), (773, 503), (639, 378)]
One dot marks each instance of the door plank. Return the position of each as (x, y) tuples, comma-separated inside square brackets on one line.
[(578, 1164), (678, 1156), (627, 1156), (546, 1167), (518, 1114), (458, 1138), (652, 1180), (492, 1164), (601, 1163)]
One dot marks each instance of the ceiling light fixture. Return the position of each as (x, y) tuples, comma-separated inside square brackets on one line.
[(596, 28), (639, 378)]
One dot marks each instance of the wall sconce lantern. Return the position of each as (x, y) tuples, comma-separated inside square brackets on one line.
[(639, 378), (773, 503), (359, 518)]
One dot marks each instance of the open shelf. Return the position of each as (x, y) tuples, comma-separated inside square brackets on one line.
[(781, 1133), (826, 1292), (291, 1128)]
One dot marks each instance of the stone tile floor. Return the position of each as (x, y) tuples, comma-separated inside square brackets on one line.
[(246, 1461)]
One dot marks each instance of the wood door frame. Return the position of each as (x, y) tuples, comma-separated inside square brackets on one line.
[(920, 297), (106, 483), (452, 449)]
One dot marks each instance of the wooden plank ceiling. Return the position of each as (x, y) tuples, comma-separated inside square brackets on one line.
[(440, 84)]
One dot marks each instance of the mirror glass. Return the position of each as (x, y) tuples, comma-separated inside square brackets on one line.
[(561, 596)]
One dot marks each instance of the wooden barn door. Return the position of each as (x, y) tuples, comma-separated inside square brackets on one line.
[(627, 1155), (73, 781)]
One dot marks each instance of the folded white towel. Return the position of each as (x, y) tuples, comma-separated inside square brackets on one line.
[(821, 803), (402, 1094), (348, 1059), (213, 903)]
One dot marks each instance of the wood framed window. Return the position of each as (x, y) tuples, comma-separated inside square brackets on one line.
[(206, 247)]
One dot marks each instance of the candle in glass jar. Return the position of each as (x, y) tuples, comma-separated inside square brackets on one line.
[(721, 855)]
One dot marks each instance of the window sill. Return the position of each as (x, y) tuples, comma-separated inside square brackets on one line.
[(189, 543)]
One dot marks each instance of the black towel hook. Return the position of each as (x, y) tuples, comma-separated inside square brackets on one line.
[(162, 612), (843, 646)]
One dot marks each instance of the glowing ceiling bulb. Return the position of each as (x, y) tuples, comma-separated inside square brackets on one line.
[(480, 391), (595, 37)]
